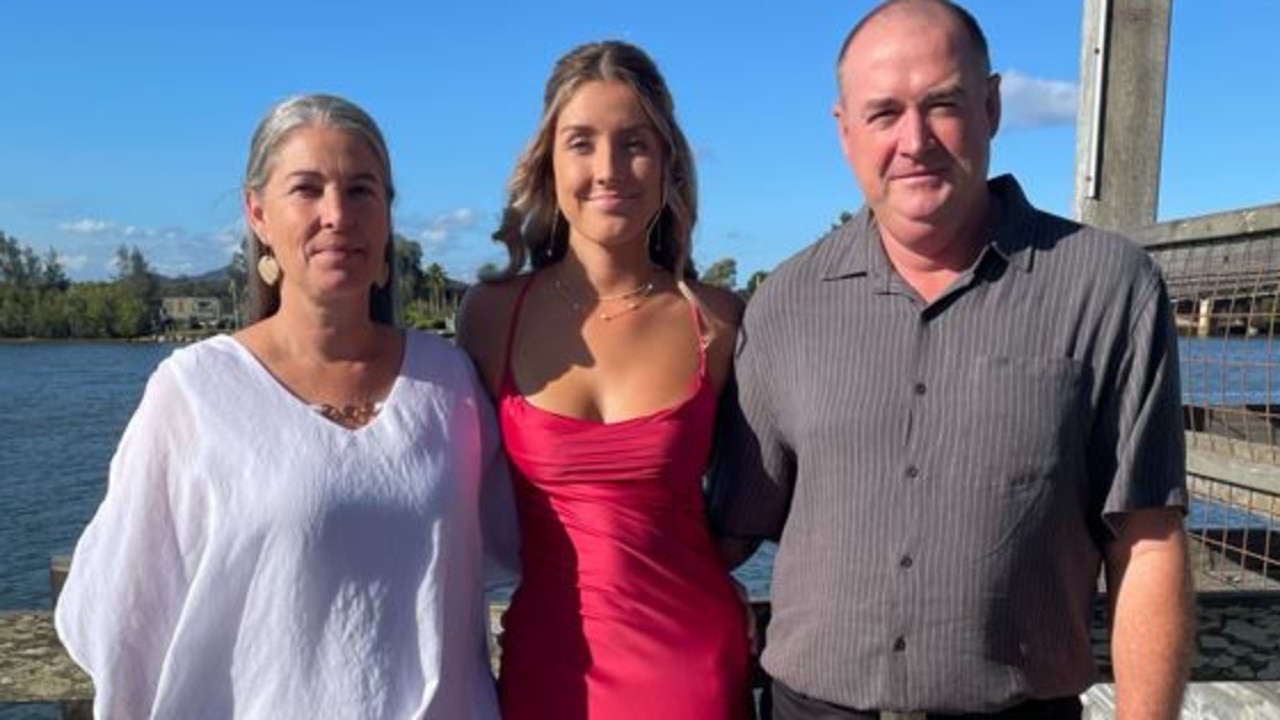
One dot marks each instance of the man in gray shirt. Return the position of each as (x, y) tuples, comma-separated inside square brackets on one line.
[(955, 411)]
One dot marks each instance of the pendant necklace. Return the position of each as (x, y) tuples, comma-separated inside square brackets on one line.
[(632, 299)]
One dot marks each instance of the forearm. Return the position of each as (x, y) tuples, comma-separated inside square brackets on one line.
[(1152, 633), (734, 550)]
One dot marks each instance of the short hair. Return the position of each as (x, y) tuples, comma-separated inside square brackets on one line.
[(286, 116), (530, 227), (965, 19)]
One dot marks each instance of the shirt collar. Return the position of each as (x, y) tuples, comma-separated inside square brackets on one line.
[(854, 248)]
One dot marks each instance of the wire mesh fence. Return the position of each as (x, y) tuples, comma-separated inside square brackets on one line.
[(1224, 296)]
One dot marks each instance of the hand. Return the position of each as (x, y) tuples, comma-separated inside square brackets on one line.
[(753, 639)]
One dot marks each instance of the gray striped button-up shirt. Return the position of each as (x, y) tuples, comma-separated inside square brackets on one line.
[(942, 476)]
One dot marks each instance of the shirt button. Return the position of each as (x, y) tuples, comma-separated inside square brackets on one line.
[(899, 645), (913, 472), (905, 562), (919, 388)]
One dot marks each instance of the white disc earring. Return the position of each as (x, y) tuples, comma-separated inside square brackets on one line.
[(269, 270)]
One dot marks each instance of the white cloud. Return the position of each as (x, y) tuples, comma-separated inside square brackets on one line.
[(1033, 102), (73, 263), (88, 226), (87, 248), (447, 225)]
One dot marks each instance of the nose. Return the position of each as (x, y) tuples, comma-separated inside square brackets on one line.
[(609, 163), (334, 207), (914, 133)]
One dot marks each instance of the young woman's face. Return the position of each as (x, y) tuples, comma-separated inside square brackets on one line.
[(607, 160)]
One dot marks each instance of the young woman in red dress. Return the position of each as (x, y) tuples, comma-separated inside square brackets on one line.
[(606, 358)]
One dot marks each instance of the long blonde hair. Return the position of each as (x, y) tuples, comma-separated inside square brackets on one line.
[(531, 229)]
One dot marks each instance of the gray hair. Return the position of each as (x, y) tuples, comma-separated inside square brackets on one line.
[(299, 111)]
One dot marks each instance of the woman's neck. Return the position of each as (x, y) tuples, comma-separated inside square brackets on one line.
[(606, 271), (324, 334)]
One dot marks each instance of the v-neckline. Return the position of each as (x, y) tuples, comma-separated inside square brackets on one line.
[(265, 377)]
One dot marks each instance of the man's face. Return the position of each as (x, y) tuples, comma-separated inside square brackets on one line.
[(916, 117)]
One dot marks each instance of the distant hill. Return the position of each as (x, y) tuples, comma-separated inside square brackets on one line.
[(218, 275), (213, 282)]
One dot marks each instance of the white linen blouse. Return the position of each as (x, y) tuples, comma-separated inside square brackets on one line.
[(252, 559)]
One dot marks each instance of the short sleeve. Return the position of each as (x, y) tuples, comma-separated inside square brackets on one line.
[(1139, 448), (753, 469), (130, 569)]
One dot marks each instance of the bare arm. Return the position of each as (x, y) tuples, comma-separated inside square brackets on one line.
[(1152, 627), (482, 323)]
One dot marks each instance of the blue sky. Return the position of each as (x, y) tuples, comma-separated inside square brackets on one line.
[(128, 121)]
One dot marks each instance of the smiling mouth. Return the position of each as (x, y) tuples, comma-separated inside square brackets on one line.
[(924, 174), (611, 201), (338, 251)]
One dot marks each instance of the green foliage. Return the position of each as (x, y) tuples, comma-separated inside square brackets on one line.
[(408, 268), (38, 300), (753, 283), (722, 273)]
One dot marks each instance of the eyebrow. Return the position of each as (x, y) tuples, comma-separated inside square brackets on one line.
[(307, 174), (583, 128), (950, 92)]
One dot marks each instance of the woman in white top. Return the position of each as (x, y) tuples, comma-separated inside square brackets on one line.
[(291, 521)]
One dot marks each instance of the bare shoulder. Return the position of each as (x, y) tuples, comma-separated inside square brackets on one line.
[(723, 309), (724, 306), (483, 321)]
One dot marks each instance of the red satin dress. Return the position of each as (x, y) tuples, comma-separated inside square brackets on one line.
[(624, 609)]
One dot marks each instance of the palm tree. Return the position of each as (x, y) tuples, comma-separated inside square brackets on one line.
[(437, 282)]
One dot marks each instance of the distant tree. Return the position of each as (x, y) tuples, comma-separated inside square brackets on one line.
[(88, 310), (845, 217), (437, 285), (13, 312), (753, 283), (487, 270), (238, 280), (409, 284), (52, 275), (48, 317), (19, 265), (721, 273), (134, 310)]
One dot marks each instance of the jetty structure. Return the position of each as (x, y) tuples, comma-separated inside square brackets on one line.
[(1223, 273)]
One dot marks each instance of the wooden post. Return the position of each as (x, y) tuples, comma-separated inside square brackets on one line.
[(1120, 127)]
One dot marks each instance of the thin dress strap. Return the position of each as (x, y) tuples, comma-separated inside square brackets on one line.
[(700, 330), (507, 383)]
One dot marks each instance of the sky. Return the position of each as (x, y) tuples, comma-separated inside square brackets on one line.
[(128, 122)]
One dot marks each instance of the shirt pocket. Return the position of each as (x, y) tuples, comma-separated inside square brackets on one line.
[(1027, 420)]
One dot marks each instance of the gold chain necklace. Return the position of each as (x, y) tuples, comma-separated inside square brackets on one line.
[(632, 298), (349, 415)]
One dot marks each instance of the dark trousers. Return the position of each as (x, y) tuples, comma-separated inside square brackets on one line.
[(787, 704)]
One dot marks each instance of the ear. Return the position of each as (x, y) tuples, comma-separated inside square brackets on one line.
[(993, 104), (254, 213), (842, 128)]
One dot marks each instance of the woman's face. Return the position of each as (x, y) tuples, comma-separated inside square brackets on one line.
[(324, 212), (607, 161)]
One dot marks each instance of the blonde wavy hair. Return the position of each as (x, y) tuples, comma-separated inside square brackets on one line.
[(533, 234)]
